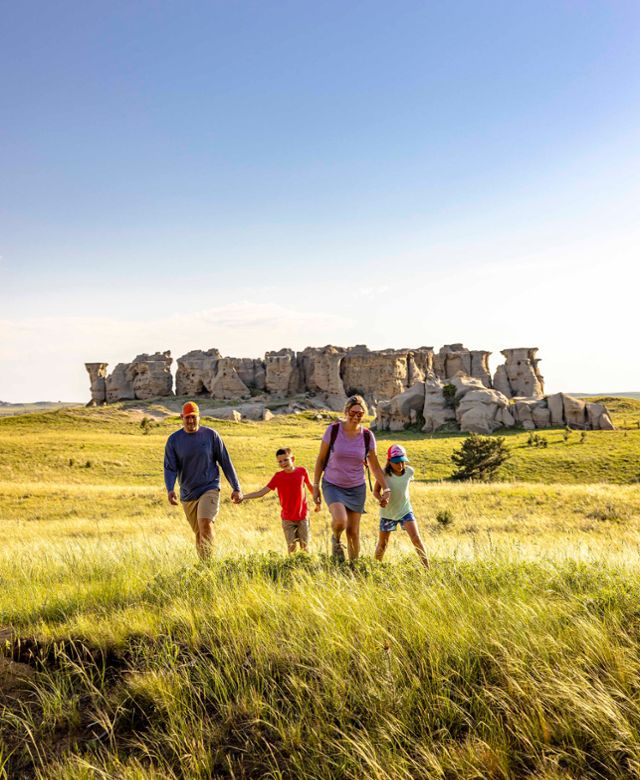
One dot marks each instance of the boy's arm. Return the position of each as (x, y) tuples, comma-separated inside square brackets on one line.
[(257, 493), (307, 481)]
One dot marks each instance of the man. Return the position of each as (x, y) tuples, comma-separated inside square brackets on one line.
[(193, 455)]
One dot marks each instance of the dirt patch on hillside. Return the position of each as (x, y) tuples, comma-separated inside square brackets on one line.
[(14, 675)]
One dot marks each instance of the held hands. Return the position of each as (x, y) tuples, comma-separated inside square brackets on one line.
[(236, 497), (172, 498), (317, 499), (384, 497)]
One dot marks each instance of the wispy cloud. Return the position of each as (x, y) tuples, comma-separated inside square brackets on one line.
[(219, 326), (373, 292)]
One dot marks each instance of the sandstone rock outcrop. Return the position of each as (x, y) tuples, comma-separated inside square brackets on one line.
[(404, 386), (519, 374), (151, 376), (119, 384), (227, 384), (479, 409), (436, 411), (403, 410), (196, 371), (282, 373), (455, 358), (97, 376)]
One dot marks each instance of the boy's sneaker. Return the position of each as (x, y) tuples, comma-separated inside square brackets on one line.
[(337, 550)]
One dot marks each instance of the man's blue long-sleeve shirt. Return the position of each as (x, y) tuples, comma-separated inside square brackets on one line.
[(193, 459)]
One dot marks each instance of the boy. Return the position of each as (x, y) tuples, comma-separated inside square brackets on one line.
[(290, 483)]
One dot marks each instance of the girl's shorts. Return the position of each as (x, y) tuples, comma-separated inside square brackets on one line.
[(352, 498), (391, 525)]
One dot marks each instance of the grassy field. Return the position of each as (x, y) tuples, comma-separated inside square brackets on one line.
[(515, 655)]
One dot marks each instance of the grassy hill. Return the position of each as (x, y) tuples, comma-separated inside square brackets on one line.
[(7, 409), (515, 655)]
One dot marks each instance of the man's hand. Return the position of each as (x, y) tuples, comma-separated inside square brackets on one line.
[(173, 499), (237, 496)]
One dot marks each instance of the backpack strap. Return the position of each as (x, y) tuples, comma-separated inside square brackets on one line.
[(367, 447), (335, 428), (367, 443)]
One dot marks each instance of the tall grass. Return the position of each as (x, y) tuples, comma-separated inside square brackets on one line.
[(269, 667), (516, 655)]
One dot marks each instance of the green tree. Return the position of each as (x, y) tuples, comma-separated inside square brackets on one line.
[(479, 457)]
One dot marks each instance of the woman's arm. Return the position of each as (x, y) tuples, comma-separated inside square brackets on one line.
[(317, 473), (381, 482)]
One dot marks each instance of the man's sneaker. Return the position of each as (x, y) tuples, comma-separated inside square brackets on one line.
[(337, 550)]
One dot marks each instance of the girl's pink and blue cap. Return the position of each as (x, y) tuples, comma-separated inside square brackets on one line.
[(397, 454)]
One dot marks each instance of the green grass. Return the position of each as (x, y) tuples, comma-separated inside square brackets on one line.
[(516, 655)]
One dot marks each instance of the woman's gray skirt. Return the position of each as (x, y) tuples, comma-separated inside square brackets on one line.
[(353, 498)]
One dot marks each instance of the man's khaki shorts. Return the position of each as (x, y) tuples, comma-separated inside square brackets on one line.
[(206, 506), (296, 530)]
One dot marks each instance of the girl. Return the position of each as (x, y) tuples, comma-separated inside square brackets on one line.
[(396, 508), (345, 448)]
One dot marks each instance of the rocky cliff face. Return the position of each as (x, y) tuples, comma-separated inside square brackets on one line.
[(404, 385)]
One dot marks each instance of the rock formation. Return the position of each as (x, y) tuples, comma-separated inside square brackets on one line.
[(282, 373), (519, 375), (97, 375), (150, 375), (476, 408), (196, 371), (405, 386)]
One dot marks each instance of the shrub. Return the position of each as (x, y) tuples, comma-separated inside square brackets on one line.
[(609, 513), (479, 457), (444, 517), (566, 433), (450, 401), (146, 424)]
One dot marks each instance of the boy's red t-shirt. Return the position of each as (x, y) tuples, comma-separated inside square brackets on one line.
[(292, 493)]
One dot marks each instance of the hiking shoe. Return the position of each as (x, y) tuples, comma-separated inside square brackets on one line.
[(337, 550)]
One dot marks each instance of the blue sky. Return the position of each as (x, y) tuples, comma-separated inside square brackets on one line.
[(252, 175)]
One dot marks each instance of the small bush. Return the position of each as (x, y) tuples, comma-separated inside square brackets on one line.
[(88, 464), (479, 457), (71, 461), (535, 440), (583, 437), (450, 401), (609, 513), (444, 518), (566, 433), (146, 424)]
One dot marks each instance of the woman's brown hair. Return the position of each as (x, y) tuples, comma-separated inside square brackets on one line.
[(356, 400)]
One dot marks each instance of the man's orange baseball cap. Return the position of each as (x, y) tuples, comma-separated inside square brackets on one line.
[(190, 408)]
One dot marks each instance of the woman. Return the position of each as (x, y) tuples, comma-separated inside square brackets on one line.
[(346, 447)]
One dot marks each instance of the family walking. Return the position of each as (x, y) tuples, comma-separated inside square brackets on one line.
[(195, 454)]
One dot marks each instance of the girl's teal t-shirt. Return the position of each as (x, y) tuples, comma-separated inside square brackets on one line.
[(399, 503)]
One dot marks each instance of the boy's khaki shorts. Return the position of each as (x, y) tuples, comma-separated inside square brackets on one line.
[(296, 531), (206, 506)]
